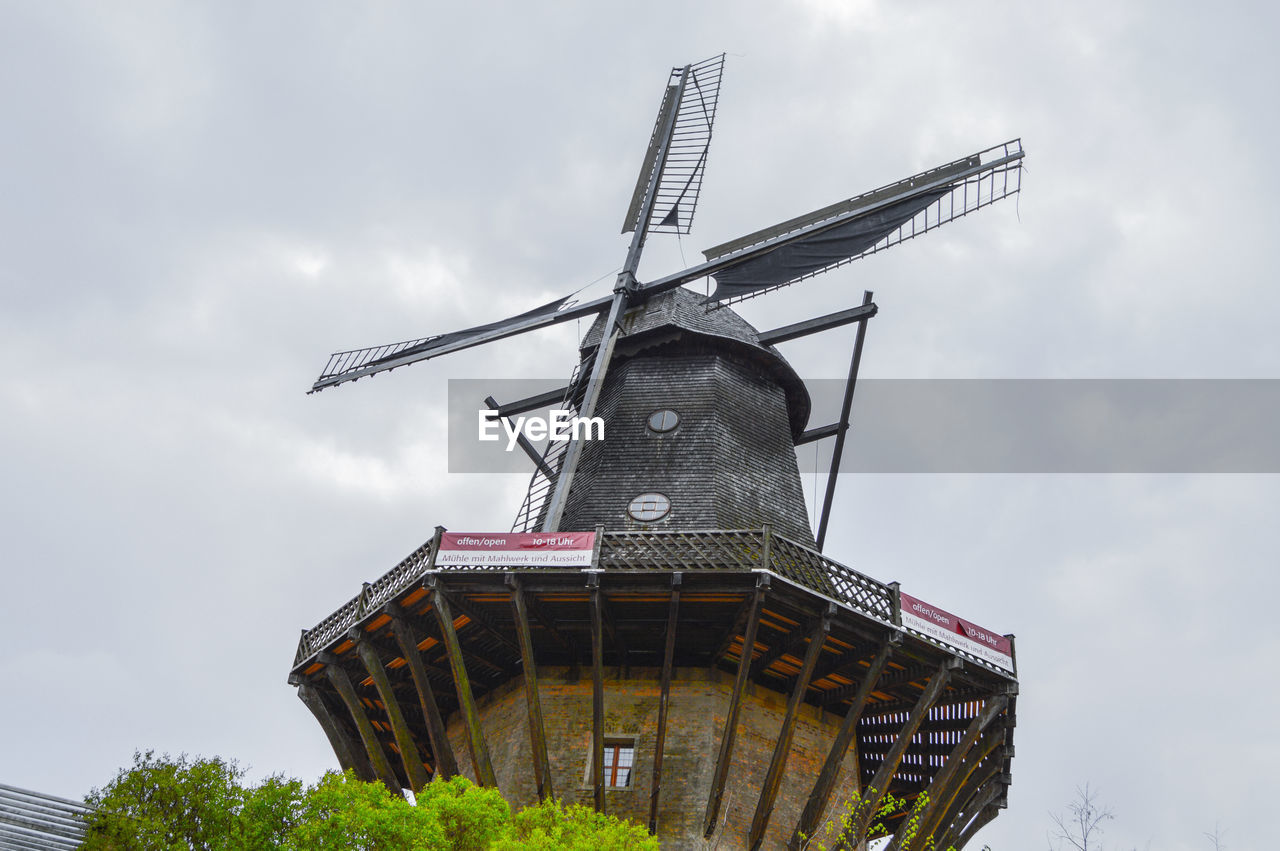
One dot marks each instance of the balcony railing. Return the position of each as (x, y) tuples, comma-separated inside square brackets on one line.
[(710, 550), (735, 550)]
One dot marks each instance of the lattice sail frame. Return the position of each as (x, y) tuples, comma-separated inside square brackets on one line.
[(1002, 180), (680, 183)]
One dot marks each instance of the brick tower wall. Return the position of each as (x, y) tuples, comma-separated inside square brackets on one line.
[(698, 702)]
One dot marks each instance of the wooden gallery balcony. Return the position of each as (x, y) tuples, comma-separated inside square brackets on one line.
[(526, 679)]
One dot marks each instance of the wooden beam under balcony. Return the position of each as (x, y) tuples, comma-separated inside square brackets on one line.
[(537, 731), (769, 791), (414, 769), (441, 749), (462, 683), (597, 693), (820, 797), (860, 819), (372, 745), (728, 737), (941, 789), (664, 690), (350, 753)]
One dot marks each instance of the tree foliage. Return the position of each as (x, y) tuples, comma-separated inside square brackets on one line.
[(193, 804), (552, 825), (165, 803), (838, 829)]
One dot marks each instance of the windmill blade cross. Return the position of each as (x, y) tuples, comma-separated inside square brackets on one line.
[(665, 197)]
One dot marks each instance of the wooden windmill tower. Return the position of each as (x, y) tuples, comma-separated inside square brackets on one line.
[(661, 634)]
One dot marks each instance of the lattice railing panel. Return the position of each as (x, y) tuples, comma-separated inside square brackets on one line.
[(713, 549), (816, 571), (399, 577), (315, 639), (372, 595), (709, 550)]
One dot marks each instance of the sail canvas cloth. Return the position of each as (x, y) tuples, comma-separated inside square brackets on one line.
[(819, 250), (442, 340)]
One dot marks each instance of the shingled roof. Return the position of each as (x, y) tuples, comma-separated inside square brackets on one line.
[(683, 313)]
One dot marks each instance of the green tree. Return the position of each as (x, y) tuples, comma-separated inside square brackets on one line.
[(169, 804), (552, 825), (838, 827), (472, 817), (270, 813), (340, 812)]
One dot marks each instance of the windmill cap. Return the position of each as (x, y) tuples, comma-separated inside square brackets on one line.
[(680, 318)]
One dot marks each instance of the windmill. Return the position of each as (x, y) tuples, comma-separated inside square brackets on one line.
[(703, 582), (664, 201)]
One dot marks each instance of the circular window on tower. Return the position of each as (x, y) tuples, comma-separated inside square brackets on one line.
[(648, 507), (663, 421)]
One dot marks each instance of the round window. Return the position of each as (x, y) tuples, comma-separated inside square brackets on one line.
[(663, 421), (648, 507)]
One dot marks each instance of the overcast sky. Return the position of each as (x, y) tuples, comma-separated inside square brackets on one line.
[(199, 202)]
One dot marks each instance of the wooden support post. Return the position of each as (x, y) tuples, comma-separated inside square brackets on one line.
[(537, 731), (820, 797), (960, 764), (414, 769), (350, 755), (534, 455), (372, 746), (984, 790), (441, 750), (845, 407), (548, 624), (466, 700), (766, 546), (940, 789), (725, 756), (660, 741), (597, 693), (979, 822), (769, 792), (978, 791), (860, 819)]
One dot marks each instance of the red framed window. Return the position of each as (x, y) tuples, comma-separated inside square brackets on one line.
[(618, 759)]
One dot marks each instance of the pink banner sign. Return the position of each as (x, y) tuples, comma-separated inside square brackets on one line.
[(517, 549), (941, 625)]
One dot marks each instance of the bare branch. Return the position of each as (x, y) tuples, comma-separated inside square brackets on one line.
[(1081, 826)]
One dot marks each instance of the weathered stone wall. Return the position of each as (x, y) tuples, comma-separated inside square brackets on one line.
[(698, 705)]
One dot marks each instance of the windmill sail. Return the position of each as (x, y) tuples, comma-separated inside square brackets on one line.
[(680, 173), (832, 236), (825, 248), (357, 363)]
